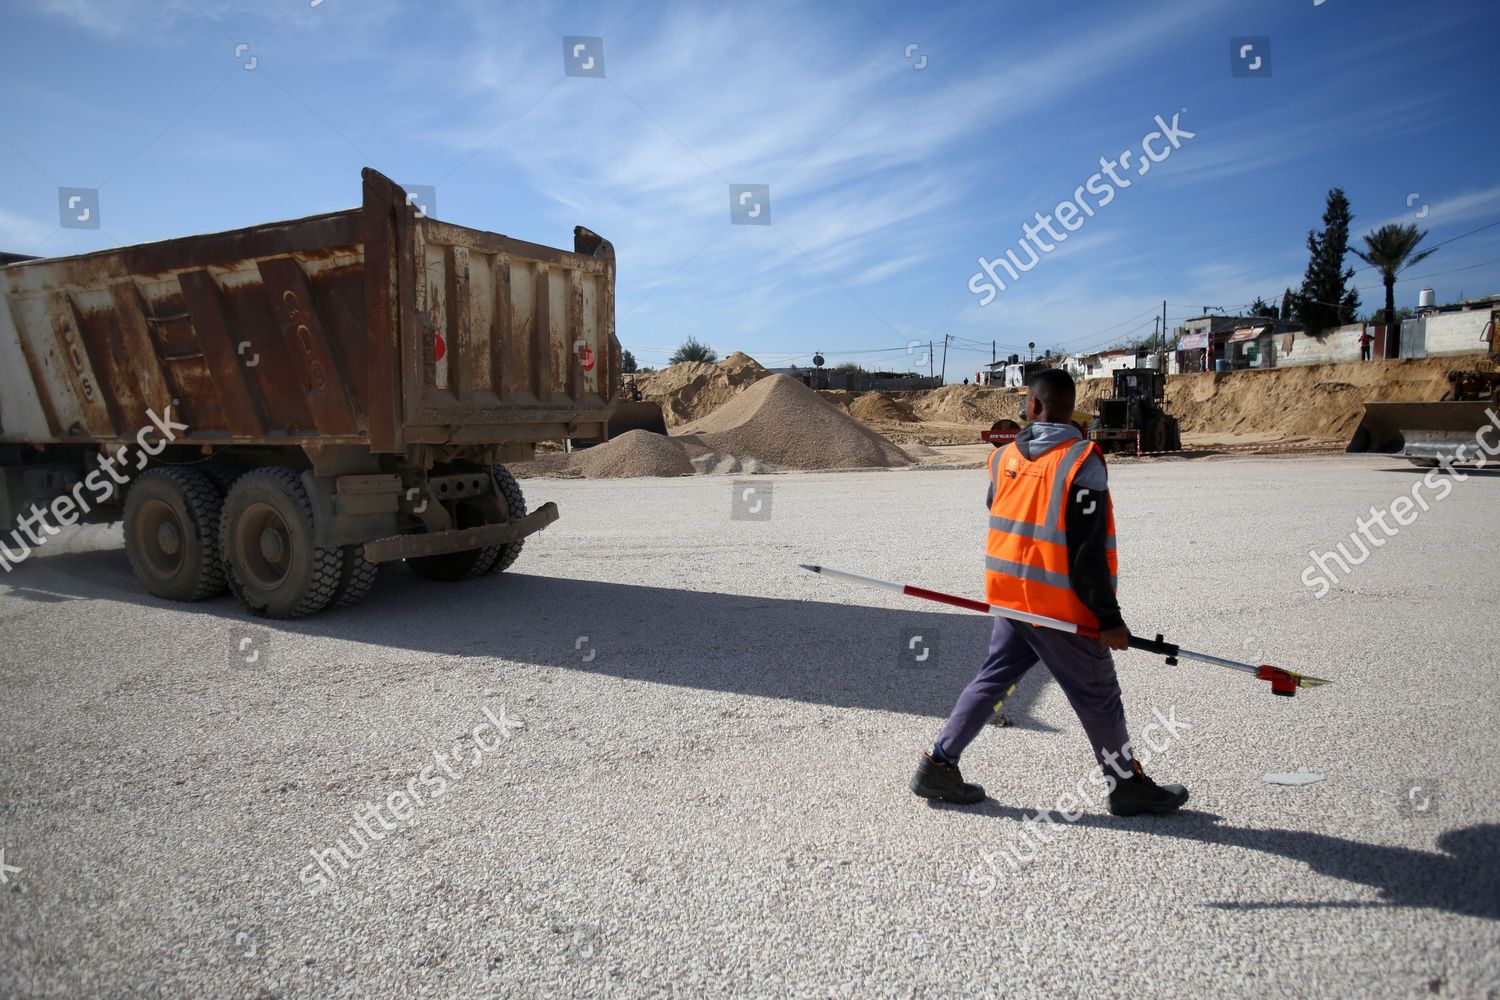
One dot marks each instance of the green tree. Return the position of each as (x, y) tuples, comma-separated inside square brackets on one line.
[(1390, 250), (1377, 316), (627, 362), (693, 350), (1327, 298), (1288, 306), (1260, 307)]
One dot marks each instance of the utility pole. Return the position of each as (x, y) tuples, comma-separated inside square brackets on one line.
[(943, 379), (1161, 364), (931, 359)]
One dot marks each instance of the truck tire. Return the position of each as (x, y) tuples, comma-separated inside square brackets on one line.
[(172, 533), (1158, 435), (223, 476), (266, 535), (515, 503), (355, 578), (454, 566)]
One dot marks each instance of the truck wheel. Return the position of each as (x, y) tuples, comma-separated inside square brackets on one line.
[(266, 535), (452, 566), (1159, 434), (223, 476), (172, 533), (355, 578), (515, 503)]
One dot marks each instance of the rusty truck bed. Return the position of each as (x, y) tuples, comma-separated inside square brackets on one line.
[(375, 326)]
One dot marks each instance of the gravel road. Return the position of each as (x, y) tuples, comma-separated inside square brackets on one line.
[(672, 763)]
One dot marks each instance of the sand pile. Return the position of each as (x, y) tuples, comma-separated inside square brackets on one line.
[(694, 389), (781, 422), (875, 407), (638, 453), (1321, 402), (838, 397), (965, 404)]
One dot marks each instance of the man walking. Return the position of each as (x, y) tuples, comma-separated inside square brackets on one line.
[(1051, 551)]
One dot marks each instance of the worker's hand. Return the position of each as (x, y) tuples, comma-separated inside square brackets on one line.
[(1115, 638)]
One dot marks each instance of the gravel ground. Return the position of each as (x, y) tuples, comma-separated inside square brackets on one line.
[(697, 785)]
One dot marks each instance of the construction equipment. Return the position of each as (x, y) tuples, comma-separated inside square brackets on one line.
[(1134, 418), (302, 400), (1427, 433), (632, 413), (1003, 431), (1283, 682)]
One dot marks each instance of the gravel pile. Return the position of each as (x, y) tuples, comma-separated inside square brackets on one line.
[(782, 422), (632, 455)]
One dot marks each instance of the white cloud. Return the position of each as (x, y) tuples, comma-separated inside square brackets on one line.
[(22, 234), (1470, 206), (872, 166)]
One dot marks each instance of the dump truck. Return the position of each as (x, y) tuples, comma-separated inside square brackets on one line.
[(1134, 417), (282, 409)]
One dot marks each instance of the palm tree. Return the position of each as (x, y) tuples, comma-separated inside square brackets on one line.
[(693, 350), (1389, 250)]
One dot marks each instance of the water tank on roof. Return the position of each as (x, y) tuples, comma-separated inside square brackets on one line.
[(1426, 299)]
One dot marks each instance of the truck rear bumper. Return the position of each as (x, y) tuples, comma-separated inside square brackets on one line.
[(461, 539)]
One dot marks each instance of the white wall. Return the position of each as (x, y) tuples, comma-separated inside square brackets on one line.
[(1114, 364), (1339, 346), (1445, 333)]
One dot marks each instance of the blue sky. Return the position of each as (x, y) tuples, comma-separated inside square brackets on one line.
[(887, 181)]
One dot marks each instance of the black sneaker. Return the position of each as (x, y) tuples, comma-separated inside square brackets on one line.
[(1139, 794), (943, 783)]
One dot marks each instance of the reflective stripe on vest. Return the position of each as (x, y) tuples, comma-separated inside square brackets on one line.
[(1026, 558)]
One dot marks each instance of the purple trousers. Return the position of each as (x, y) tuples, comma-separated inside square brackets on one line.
[(1082, 668)]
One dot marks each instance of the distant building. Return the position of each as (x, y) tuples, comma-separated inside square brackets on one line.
[(1466, 327), (1103, 364), (1210, 343), (1012, 372)]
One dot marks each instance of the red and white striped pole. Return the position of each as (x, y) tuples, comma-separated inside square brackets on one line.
[(1283, 682)]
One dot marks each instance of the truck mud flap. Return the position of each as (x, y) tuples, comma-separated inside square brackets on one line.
[(460, 540), (1422, 431)]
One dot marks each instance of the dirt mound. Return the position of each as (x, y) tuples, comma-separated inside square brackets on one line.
[(838, 397), (635, 454), (694, 389), (965, 404), (1321, 402), (782, 422), (875, 407)]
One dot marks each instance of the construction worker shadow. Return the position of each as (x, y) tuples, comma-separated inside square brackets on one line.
[(1459, 877), (843, 655)]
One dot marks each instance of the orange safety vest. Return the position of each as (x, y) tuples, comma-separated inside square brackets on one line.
[(1026, 557)]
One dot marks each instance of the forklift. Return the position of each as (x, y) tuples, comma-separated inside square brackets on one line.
[(1134, 418)]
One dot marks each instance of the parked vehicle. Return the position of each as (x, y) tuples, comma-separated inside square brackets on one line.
[(281, 409), (1427, 433), (1134, 417)]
